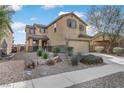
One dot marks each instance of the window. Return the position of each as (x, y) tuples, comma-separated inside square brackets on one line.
[(42, 30), (54, 27), (31, 31), (81, 27), (71, 23)]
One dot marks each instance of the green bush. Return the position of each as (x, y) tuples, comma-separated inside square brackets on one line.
[(74, 60), (91, 59), (56, 50), (70, 51), (118, 50), (45, 55), (35, 48), (39, 52)]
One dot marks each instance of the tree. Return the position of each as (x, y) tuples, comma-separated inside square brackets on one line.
[(109, 20), (5, 18)]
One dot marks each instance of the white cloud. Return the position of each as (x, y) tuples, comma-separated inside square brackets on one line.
[(21, 31), (33, 18), (62, 12), (47, 7), (16, 7), (91, 30), (80, 14), (18, 26)]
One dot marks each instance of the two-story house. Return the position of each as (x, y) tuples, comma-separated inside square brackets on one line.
[(67, 27), (6, 41)]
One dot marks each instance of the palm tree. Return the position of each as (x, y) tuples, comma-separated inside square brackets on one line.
[(5, 18)]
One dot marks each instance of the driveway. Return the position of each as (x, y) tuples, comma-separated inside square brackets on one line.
[(110, 59)]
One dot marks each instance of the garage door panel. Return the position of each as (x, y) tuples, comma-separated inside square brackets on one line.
[(79, 46)]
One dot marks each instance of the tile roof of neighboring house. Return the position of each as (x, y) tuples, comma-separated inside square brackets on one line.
[(36, 37), (66, 15)]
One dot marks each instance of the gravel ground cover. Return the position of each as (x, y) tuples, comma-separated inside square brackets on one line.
[(14, 70), (115, 80), (11, 71)]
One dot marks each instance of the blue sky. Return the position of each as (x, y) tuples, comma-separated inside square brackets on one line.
[(31, 14)]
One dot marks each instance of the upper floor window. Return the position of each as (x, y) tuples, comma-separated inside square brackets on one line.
[(71, 23), (42, 30), (31, 31), (81, 27), (55, 28)]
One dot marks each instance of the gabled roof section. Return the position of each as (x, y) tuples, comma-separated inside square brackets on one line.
[(29, 26), (66, 15), (39, 25)]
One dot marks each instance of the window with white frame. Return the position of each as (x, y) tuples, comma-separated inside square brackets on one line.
[(71, 23)]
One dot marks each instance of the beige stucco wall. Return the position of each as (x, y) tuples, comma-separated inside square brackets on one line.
[(8, 37), (63, 31), (56, 38), (70, 32)]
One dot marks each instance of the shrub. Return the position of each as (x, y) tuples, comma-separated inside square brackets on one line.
[(35, 48), (45, 55), (74, 60), (56, 50), (39, 52), (99, 48), (70, 51), (118, 50), (91, 59)]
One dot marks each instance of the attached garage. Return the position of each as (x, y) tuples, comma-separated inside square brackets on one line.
[(79, 46)]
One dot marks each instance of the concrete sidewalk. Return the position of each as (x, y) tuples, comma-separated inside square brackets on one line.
[(67, 79)]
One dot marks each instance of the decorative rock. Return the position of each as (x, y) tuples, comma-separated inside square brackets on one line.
[(56, 59), (31, 63), (41, 61), (50, 62)]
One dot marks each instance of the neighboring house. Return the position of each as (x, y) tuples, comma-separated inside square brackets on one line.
[(6, 42), (100, 40), (66, 28)]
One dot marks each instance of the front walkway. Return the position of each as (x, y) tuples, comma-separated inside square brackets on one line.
[(69, 78)]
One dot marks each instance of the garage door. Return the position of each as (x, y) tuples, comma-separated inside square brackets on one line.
[(79, 46)]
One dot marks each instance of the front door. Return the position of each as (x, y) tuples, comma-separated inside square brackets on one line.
[(44, 43)]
